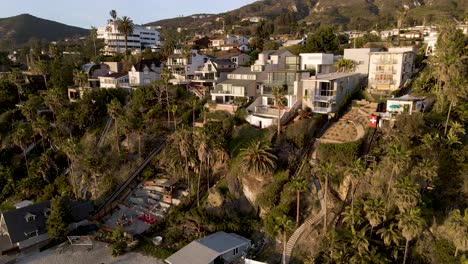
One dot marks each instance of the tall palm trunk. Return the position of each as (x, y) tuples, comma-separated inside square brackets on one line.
[(284, 246), (26, 161), (448, 118), (406, 251), (139, 144), (126, 45), (456, 251), (198, 184), (117, 136), (297, 207), (279, 120), (325, 201)]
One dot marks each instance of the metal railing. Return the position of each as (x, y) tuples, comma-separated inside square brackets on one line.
[(322, 110), (381, 81), (385, 61), (331, 98), (269, 111)]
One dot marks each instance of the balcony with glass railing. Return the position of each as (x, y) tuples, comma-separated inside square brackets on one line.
[(387, 71), (325, 98), (382, 81), (268, 88), (266, 110), (384, 61), (322, 110), (227, 91)]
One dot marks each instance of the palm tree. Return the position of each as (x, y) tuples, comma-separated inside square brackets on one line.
[(193, 104), (279, 96), (114, 20), (352, 217), (356, 171), (375, 212), (42, 68), (80, 78), (93, 34), (165, 77), (457, 227), (405, 194), (345, 65), (425, 171), (360, 242), (126, 26), (257, 158), (114, 108), (390, 234), (41, 127), (411, 224), (22, 138), (299, 184), (174, 111), (17, 79), (397, 157), (283, 223), (326, 170)]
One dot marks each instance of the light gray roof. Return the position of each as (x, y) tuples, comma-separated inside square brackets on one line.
[(241, 83), (17, 225), (334, 75), (205, 250), (243, 70)]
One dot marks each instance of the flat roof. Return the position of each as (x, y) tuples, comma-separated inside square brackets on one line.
[(332, 76), (207, 249)]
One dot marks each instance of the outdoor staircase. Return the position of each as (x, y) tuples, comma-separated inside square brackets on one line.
[(106, 130), (300, 230)]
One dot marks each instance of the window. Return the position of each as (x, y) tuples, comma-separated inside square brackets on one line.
[(31, 234), (146, 81), (236, 251), (30, 217), (270, 101)]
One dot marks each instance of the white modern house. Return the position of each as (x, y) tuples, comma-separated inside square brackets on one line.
[(240, 59), (218, 43), (144, 73), (324, 93), (388, 71), (241, 83), (264, 111), (114, 80), (219, 247), (271, 60), (319, 63), (183, 66), (141, 38), (213, 72), (361, 58), (405, 104)]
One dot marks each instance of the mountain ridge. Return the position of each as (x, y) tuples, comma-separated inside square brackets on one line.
[(18, 30), (352, 14)]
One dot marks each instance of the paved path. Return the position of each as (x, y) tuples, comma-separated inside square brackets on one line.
[(99, 254)]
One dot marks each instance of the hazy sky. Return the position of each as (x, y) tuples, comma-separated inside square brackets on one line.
[(87, 13)]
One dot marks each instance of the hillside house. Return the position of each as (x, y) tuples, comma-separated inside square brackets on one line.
[(144, 73), (241, 83), (388, 71), (219, 247), (213, 72), (183, 66), (26, 226), (114, 80), (324, 93), (361, 58), (263, 112), (317, 63), (240, 59)]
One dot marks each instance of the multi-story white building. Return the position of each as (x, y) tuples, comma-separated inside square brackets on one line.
[(114, 80), (183, 66), (141, 38), (388, 71), (144, 72), (320, 63), (325, 92), (284, 72), (361, 58)]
